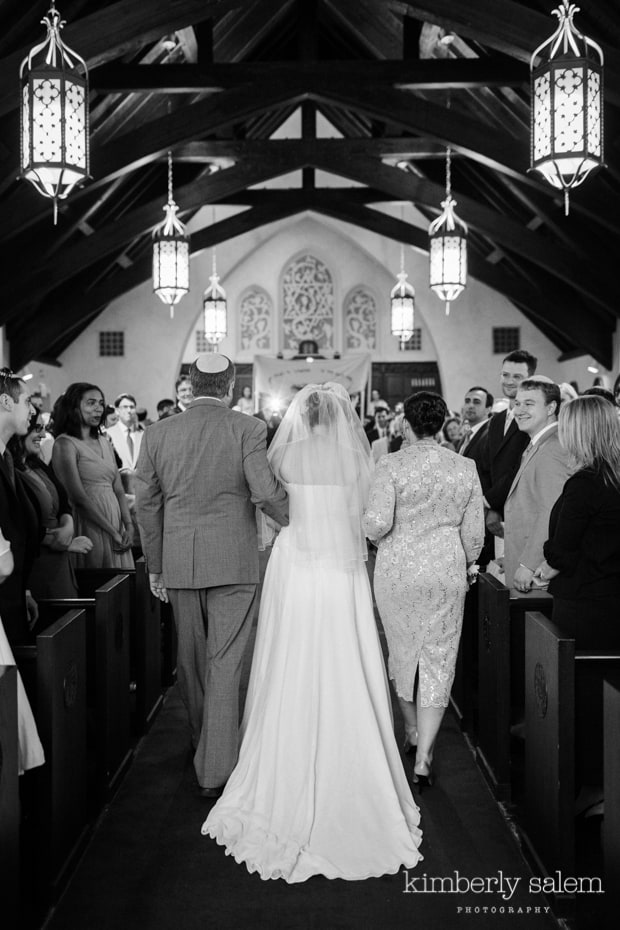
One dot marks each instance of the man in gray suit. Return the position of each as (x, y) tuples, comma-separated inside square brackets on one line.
[(538, 482), (198, 479)]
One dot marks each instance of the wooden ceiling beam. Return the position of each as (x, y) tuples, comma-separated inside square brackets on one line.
[(34, 283), (54, 331), (507, 26), (112, 32), (591, 279), (564, 319), (429, 74)]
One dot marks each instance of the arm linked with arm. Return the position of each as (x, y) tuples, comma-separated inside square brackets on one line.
[(472, 524), (266, 492), (379, 514)]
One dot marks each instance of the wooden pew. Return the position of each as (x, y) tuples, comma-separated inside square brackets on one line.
[(145, 638), (553, 669), (611, 781), (54, 673), (501, 650), (108, 696), (9, 798), (463, 696)]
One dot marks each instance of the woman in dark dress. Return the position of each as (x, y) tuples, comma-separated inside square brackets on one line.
[(52, 572), (582, 554), (582, 565)]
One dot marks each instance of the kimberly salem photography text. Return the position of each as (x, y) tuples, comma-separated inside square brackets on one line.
[(504, 886)]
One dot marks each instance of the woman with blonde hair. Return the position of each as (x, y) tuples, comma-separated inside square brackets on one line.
[(582, 554)]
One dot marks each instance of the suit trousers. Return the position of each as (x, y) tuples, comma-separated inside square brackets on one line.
[(213, 626)]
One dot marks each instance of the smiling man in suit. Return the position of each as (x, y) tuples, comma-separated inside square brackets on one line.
[(505, 442), (538, 482), (198, 480)]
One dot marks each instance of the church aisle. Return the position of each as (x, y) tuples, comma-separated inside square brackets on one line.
[(148, 868)]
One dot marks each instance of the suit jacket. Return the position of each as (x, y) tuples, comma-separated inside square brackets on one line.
[(534, 490), (21, 525), (476, 450), (501, 459), (118, 435), (198, 479)]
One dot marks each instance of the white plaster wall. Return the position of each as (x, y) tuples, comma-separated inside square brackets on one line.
[(155, 345)]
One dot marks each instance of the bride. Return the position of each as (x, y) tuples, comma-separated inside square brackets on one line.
[(319, 787)]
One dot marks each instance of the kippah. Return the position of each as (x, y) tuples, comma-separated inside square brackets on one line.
[(212, 363), (542, 378)]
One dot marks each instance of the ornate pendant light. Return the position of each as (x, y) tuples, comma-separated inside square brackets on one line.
[(171, 248), (214, 306), (54, 115), (402, 300), (448, 248), (567, 105)]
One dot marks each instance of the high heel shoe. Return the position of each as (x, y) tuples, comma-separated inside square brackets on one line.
[(424, 779)]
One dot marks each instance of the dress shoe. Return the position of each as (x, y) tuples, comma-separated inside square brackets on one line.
[(211, 792)]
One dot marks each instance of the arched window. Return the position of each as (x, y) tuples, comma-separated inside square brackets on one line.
[(256, 320), (308, 303), (360, 320)]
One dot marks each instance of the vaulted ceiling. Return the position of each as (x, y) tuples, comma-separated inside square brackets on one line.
[(213, 80)]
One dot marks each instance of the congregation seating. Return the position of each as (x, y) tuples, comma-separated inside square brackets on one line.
[(107, 622), (146, 640), (501, 654), (563, 687), (54, 674)]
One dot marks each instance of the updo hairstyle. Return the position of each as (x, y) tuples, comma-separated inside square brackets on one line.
[(425, 413)]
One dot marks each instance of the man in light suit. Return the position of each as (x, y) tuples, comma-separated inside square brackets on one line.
[(537, 484), (198, 479)]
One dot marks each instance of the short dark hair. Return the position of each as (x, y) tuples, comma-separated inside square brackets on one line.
[(209, 384), (425, 412), (163, 403), (550, 389), (124, 397), (10, 384), (180, 380), (521, 357), (490, 398), (600, 392), (66, 414)]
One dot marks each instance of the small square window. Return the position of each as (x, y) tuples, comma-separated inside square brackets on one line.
[(412, 345), (202, 345), (506, 339), (111, 343)]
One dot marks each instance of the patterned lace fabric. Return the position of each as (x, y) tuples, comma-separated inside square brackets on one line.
[(425, 512)]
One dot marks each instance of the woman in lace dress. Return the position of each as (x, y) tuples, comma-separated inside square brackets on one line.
[(425, 513)]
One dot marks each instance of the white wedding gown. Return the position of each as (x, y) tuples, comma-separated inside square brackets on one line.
[(319, 787)]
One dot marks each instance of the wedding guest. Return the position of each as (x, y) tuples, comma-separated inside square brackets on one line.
[(425, 513), (30, 750), (451, 433), (538, 482), (380, 427), (126, 434), (165, 407), (582, 552), (245, 402), (52, 573), (19, 516), (110, 417), (598, 391), (184, 393), (84, 462), (375, 403)]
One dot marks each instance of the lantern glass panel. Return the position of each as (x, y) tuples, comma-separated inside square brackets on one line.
[(215, 319), (171, 269), (403, 311), (448, 265)]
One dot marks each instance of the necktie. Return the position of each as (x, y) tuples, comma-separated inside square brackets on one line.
[(528, 451), (130, 444), (509, 418)]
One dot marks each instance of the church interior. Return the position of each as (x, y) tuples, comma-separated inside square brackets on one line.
[(292, 167)]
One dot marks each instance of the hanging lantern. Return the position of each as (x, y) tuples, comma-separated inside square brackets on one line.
[(402, 300), (171, 248), (448, 249), (214, 306), (567, 105), (54, 115)]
